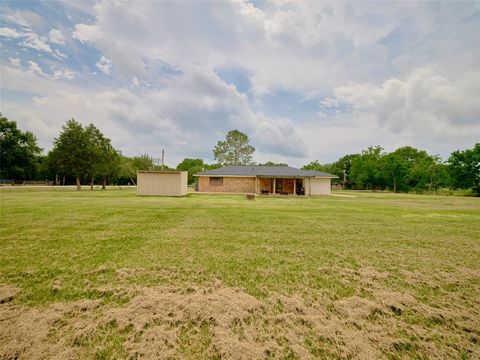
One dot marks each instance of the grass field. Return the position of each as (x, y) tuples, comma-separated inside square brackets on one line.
[(107, 274)]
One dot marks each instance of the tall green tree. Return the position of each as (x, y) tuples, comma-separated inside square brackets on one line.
[(193, 166), (110, 164), (235, 150), (366, 169), (72, 151), (19, 151), (394, 169), (416, 169), (464, 169), (95, 140), (104, 159)]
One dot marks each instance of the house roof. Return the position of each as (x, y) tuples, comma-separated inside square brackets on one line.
[(258, 170)]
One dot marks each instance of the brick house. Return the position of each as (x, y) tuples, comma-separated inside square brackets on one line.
[(264, 180)]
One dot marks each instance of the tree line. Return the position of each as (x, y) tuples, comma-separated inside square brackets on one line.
[(80, 154), (84, 154), (405, 169)]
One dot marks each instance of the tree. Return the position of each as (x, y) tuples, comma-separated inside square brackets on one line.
[(235, 150), (213, 166), (336, 168), (110, 163), (193, 166), (315, 165), (395, 169), (72, 151), (464, 169), (271, 163), (104, 159), (95, 139), (365, 169), (128, 167), (19, 151)]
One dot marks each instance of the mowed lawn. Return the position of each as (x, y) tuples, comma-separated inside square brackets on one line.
[(108, 274)]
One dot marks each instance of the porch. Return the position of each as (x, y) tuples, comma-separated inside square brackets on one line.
[(279, 185)]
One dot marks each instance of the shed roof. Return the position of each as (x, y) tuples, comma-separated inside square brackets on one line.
[(259, 170), (160, 171)]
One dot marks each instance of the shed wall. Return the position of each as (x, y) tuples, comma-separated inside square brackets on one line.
[(320, 186), (166, 184)]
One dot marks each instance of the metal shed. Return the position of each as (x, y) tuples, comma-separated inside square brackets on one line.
[(162, 183)]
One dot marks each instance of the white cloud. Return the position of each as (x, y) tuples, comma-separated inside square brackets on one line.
[(56, 36), (63, 74), (58, 54), (23, 18), (31, 40), (34, 67), (25, 25), (36, 42), (135, 82), (9, 33), (105, 65), (423, 101), (14, 61)]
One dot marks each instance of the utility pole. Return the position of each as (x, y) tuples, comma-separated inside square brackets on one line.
[(344, 174), (156, 162), (163, 157)]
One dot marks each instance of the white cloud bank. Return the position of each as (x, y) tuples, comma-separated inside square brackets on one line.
[(383, 73), (424, 100), (187, 118)]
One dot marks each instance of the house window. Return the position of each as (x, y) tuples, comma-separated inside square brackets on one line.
[(216, 181)]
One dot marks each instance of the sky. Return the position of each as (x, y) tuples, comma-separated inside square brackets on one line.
[(304, 80)]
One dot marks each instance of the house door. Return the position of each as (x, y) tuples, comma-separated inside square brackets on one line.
[(300, 190)]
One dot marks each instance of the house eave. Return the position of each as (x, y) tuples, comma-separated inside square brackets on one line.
[(199, 175), (270, 176)]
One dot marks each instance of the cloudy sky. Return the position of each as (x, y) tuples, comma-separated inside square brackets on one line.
[(305, 80)]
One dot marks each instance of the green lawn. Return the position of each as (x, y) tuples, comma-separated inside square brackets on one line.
[(107, 274)]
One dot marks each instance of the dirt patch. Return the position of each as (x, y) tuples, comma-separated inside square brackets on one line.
[(8, 293), (56, 285), (126, 273), (356, 308)]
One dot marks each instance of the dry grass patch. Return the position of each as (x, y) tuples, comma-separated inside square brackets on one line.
[(223, 322)]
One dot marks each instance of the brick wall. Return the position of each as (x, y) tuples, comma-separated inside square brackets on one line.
[(265, 184), (230, 184), (288, 186)]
